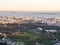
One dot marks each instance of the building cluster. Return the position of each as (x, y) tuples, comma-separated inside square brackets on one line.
[(26, 19), (17, 19)]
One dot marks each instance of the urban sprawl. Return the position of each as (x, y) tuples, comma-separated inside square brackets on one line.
[(27, 19), (29, 30)]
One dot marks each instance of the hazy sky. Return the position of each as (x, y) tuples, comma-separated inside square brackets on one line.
[(30, 5)]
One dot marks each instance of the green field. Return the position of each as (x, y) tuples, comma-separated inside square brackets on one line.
[(32, 37)]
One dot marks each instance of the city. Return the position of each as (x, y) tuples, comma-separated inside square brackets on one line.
[(22, 30), (29, 22)]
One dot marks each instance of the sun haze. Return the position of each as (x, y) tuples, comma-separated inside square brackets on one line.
[(30, 5)]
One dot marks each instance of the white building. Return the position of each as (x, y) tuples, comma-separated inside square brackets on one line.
[(39, 28), (52, 31)]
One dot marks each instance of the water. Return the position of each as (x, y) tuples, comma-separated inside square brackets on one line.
[(30, 14)]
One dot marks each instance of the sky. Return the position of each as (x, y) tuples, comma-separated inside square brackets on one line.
[(29, 5)]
